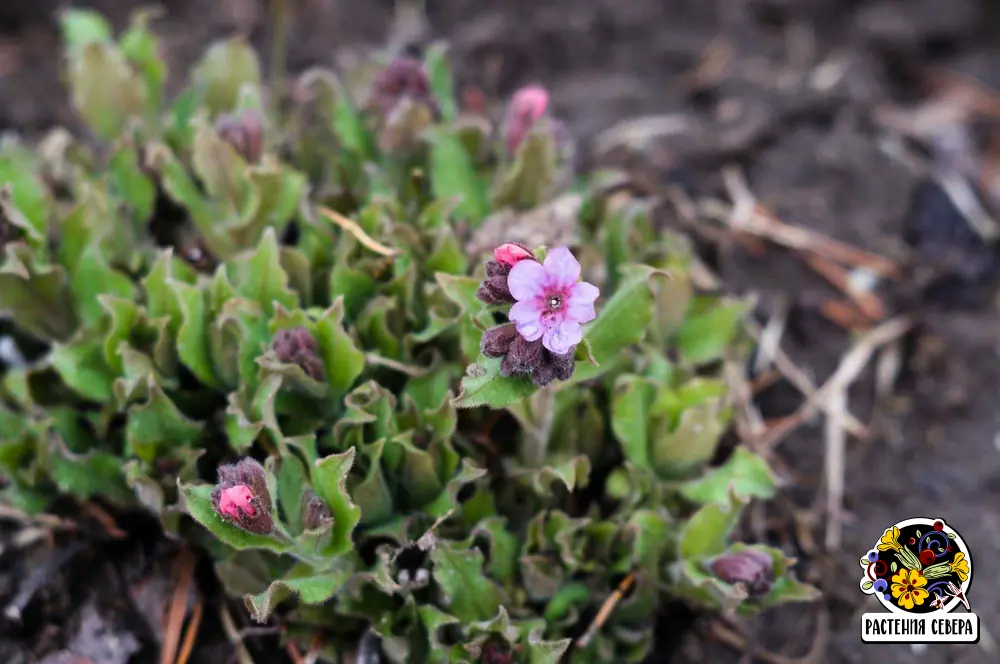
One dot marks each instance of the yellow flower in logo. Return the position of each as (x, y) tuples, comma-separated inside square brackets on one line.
[(960, 566), (908, 588), (890, 540)]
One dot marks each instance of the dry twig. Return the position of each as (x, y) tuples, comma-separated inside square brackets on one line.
[(850, 368), (605, 612), (359, 233), (869, 303), (815, 655), (233, 634), (192, 632), (836, 448), (183, 575)]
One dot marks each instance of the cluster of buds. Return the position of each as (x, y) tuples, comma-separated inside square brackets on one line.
[(549, 306), (241, 496), (496, 651), (403, 102), (754, 570), (297, 346), (244, 132)]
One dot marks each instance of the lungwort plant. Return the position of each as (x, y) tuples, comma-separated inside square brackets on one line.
[(378, 351)]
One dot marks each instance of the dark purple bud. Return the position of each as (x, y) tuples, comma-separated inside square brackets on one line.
[(493, 289), (241, 496), (498, 340), (315, 513), (297, 346), (553, 367), (496, 651), (404, 78), (245, 132), (753, 569), (524, 357)]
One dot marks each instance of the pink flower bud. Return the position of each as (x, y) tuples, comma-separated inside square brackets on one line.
[(753, 569), (241, 496), (510, 253), (245, 133), (526, 108)]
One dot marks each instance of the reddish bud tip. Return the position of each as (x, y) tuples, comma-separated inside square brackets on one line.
[(234, 499), (510, 253), (527, 106), (496, 651), (245, 133), (241, 496)]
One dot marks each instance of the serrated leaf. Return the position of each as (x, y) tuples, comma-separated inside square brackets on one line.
[(34, 296), (302, 582), (142, 48), (744, 473), (442, 81), (198, 504), (24, 200), (157, 428), (343, 361), (82, 367), (329, 478), (484, 386), (705, 534), (259, 276), (467, 593), (633, 396)]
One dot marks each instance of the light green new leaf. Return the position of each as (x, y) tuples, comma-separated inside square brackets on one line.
[(104, 88), (484, 386), (260, 277), (225, 68), (157, 427), (80, 27), (705, 534), (703, 337), (343, 361), (746, 474), (309, 586)]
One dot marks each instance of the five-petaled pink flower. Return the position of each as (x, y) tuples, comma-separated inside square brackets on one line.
[(551, 301)]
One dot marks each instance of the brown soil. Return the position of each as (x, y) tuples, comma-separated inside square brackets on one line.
[(812, 151)]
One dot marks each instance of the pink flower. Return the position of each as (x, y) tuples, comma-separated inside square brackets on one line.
[(551, 301), (526, 108), (234, 499)]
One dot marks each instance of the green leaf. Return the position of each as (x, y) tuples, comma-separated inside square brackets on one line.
[(219, 168), (89, 474), (705, 336), (621, 322), (104, 89), (442, 82), (527, 181), (453, 175), (142, 48), (329, 478), (705, 534), (746, 474), (867, 585), (193, 347), (484, 386), (80, 27), (35, 296), (677, 453), (260, 277), (82, 366), (467, 593), (24, 200), (158, 428), (198, 503), (540, 651), (131, 184), (309, 586), (630, 405), (226, 67), (504, 548), (343, 361)]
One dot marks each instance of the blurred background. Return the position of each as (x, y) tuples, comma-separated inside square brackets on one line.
[(871, 123)]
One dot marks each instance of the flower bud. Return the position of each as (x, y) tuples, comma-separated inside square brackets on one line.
[(497, 341), (496, 651), (315, 513), (554, 367), (494, 289), (404, 78), (526, 108), (753, 569), (297, 346), (245, 133), (241, 496)]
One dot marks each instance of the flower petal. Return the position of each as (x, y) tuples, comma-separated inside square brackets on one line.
[(561, 268), (526, 280), (527, 317), (580, 306), (561, 337)]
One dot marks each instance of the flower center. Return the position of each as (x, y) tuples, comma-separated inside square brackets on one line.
[(555, 302)]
